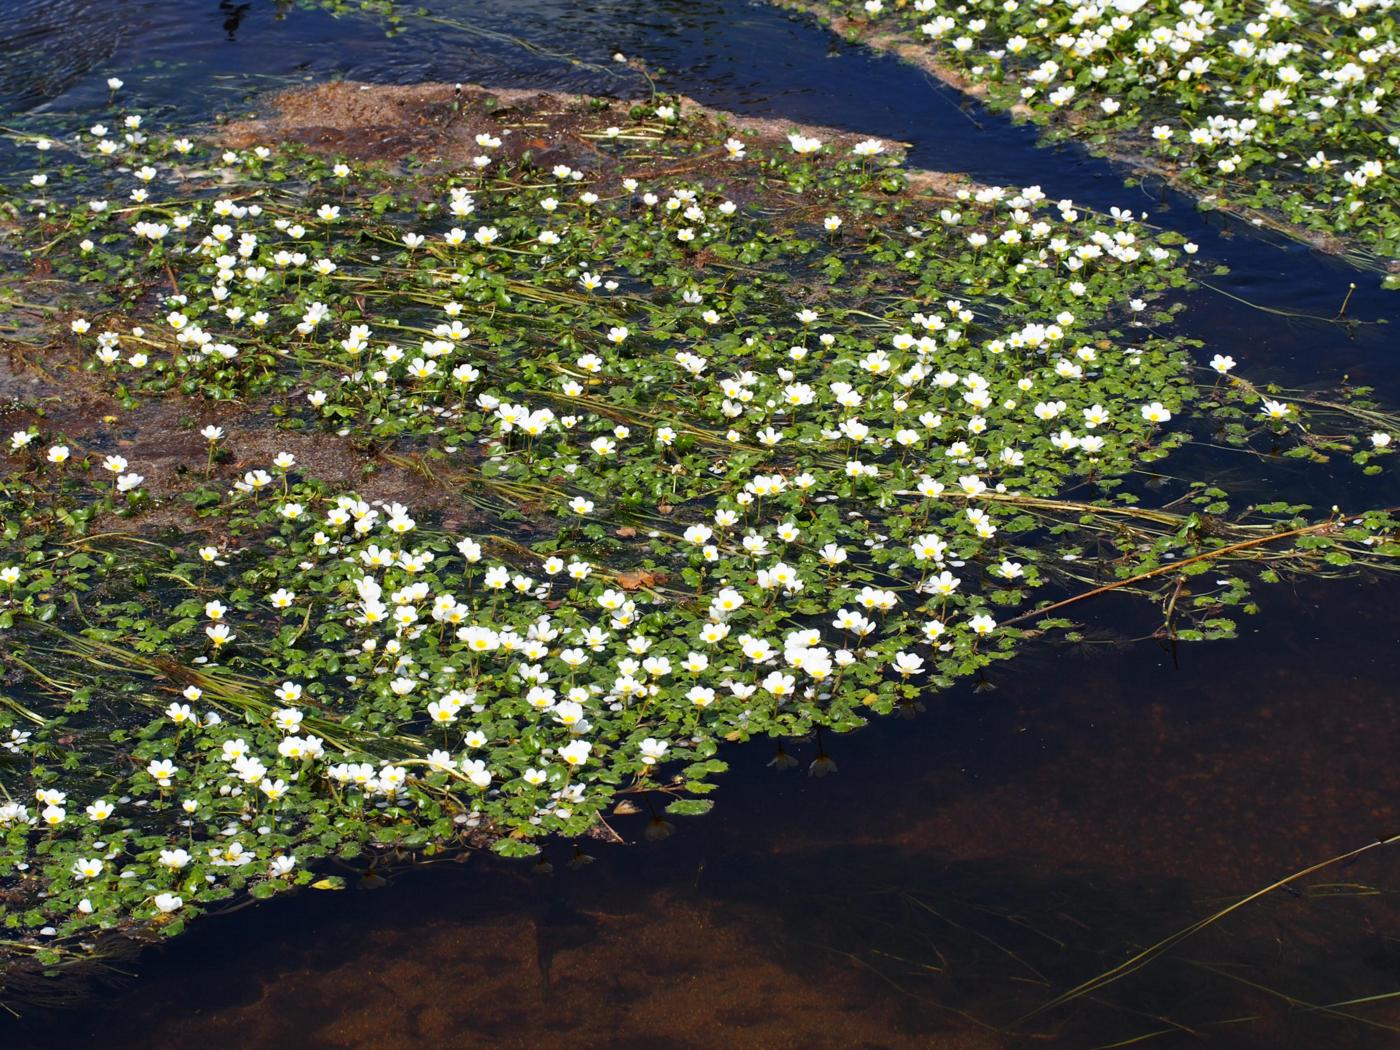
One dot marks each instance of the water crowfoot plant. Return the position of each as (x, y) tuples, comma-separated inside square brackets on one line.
[(1282, 113), (517, 475)]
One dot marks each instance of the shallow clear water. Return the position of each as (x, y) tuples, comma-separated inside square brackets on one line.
[(998, 847), (963, 866)]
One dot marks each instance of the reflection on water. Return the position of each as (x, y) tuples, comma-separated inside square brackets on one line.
[(963, 866)]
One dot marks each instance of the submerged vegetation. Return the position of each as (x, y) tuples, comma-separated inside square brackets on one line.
[(623, 431), (1282, 112)]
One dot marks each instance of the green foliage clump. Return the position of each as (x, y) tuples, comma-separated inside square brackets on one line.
[(723, 436), (1282, 111)]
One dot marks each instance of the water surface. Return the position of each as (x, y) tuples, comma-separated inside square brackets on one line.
[(965, 864)]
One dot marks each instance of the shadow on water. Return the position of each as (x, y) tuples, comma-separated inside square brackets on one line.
[(963, 866)]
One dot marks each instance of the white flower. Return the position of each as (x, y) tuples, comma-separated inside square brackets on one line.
[(908, 664), (576, 752), (474, 769), (99, 810), (86, 868), (652, 750), (174, 859), (982, 624)]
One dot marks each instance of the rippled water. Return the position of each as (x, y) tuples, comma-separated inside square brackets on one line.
[(961, 867)]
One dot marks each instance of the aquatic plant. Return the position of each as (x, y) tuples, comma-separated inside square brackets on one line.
[(710, 432), (1281, 112)]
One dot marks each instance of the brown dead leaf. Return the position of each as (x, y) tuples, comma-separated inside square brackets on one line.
[(639, 578), (627, 532)]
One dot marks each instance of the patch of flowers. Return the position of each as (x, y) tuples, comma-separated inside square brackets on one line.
[(732, 436), (1285, 111)]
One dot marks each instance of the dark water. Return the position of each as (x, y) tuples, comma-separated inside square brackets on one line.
[(964, 865)]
